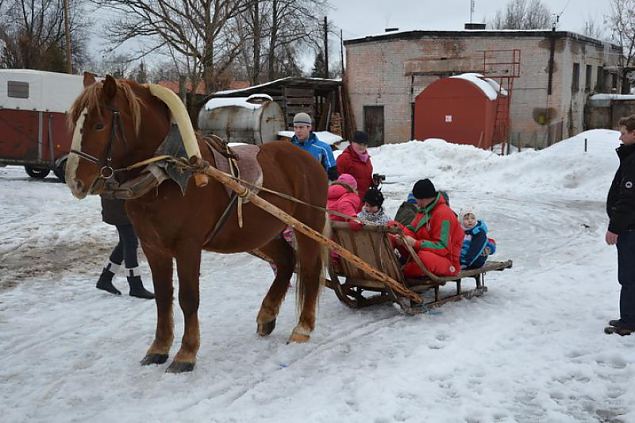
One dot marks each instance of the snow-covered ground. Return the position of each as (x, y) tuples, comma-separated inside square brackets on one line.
[(531, 350)]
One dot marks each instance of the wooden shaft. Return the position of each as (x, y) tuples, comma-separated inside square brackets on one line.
[(226, 179)]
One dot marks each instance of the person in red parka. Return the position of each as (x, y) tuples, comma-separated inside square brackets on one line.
[(355, 161), (343, 198), (435, 234)]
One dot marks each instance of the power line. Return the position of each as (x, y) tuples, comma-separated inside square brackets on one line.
[(563, 9)]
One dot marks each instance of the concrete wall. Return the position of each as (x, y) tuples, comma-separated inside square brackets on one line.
[(391, 70)]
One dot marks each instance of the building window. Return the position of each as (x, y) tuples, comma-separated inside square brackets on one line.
[(575, 81), (587, 80), (599, 85), (18, 89)]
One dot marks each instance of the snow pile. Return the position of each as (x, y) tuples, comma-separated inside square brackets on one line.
[(489, 87), (216, 103), (562, 170)]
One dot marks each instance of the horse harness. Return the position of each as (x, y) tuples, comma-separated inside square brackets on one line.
[(106, 171)]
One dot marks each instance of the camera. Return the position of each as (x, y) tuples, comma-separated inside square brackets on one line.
[(378, 179)]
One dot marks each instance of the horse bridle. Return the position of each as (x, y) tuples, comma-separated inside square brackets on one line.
[(106, 171)]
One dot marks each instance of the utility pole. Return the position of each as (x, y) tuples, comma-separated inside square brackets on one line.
[(69, 57), (342, 51), (326, 48)]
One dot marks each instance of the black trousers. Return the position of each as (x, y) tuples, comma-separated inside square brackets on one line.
[(626, 276), (126, 249)]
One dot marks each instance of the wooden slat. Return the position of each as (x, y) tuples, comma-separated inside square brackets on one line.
[(298, 92), (300, 100)]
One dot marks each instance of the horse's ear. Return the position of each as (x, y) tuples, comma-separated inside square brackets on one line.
[(110, 87), (89, 79)]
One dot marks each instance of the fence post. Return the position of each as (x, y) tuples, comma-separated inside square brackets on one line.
[(585, 140)]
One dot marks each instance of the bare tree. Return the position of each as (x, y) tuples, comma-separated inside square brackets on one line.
[(203, 31), (593, 29), (523, 14), (32, 34), (622, 23), (274, 30), (118, 65)]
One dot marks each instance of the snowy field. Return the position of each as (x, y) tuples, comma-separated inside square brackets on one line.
[(531, 350)]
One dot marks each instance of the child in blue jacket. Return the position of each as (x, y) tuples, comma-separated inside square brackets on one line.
[(476, 245)]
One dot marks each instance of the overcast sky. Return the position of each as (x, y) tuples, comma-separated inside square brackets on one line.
[(358, 18)]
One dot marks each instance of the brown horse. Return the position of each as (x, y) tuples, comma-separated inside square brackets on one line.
[(122, 123)]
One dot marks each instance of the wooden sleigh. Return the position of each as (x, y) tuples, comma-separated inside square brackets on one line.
[(357, 288)]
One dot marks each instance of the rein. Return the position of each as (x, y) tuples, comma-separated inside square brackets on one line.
[(277, 193)]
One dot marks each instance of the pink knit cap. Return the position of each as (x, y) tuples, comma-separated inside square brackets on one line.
[(348, 180)]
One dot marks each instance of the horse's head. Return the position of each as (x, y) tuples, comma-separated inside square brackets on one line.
[(105, 119)]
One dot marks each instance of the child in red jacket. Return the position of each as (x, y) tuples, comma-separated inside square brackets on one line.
[(343, 198)]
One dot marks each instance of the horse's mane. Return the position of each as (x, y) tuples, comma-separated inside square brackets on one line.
[(90, 99)]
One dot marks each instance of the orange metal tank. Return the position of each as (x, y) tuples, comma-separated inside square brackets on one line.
[(459, 109)]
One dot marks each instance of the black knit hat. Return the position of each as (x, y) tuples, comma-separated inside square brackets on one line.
[(374, 197), (360, 137), (424, 188)]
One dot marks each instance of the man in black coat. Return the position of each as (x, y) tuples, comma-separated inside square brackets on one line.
[(620, 206), (113, 212)]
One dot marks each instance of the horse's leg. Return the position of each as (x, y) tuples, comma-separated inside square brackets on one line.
[(188, 264), (161, 267), (309, 257), (283, 256)]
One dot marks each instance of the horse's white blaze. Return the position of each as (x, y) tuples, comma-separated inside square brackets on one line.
[(73, 159)]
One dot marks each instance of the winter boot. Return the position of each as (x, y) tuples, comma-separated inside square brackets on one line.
[(105, 282), (136, 286)]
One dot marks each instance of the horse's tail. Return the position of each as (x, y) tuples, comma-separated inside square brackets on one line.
[(304, 275)]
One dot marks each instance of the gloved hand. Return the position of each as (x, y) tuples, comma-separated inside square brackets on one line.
[(355, 225), (393, 224)]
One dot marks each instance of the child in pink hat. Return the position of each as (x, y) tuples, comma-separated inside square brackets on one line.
[(343, 198)]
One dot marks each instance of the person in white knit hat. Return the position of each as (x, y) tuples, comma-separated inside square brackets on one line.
[(476, 245), (309, 142)]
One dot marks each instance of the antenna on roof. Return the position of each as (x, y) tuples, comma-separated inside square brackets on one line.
[(555, 22), (472, 9)]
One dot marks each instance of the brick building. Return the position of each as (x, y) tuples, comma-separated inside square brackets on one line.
[(550, 74)]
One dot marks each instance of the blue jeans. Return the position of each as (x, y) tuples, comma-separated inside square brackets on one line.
[(626, 276)]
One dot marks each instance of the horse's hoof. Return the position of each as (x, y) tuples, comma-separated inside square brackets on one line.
[(266, 328), (298, 338), (154, 359), (180, 367)]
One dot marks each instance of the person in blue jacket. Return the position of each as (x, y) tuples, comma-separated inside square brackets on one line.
[(309, 142), (476, 246)]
